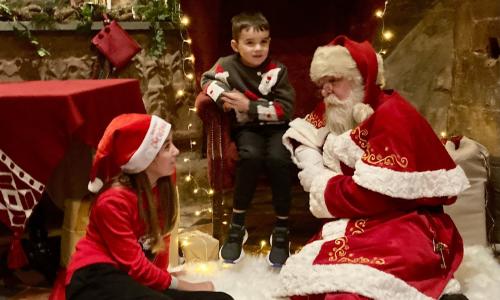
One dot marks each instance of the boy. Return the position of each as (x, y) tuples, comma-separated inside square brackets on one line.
[(257, 90)]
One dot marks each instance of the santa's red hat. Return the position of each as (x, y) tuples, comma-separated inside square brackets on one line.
[(129, 145), (345, 58)]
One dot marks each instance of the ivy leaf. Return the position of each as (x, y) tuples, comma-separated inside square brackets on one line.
[(42, 52)]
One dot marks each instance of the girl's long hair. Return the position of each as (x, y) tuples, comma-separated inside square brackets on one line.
[(166, 206)]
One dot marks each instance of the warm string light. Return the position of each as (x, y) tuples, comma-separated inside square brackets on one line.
[(386, 35), (187, 57)]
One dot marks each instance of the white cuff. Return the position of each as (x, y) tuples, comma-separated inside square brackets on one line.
[(174, 283), (317, 204)]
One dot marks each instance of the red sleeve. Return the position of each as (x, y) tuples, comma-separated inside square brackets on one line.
[(346, 199), (113, 218)]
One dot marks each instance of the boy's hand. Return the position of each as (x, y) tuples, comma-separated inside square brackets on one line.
[(236, 100), (226, 107)]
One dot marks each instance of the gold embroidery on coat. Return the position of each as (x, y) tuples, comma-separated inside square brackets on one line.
[(315, 120), (360, 135), (339, 253), (389, 160), (359, 227), (339, 250), (362, 260)]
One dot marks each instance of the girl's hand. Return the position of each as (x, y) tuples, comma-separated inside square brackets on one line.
[(195, 286), (179, 273)]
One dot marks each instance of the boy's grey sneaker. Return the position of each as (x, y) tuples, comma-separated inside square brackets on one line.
[(280, 247), (232, 249)]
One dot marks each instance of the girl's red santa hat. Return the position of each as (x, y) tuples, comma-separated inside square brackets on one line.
[(129, 145)]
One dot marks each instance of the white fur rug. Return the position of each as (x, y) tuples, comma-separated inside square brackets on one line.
[(253, 279)]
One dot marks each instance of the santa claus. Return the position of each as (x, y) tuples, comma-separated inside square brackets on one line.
[(374, 167)]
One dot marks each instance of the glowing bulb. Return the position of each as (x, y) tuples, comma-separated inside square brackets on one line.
[(193, 143), (197, 213), (188, 178), (189, 41), (195, 191), (388, 35), (383, 51), (379, 13), (189, 76), (190, 125), (210, 210), (210, 192), (186, 159), (185, 243), (192, 108), (180, 93), (443, 134), (185, 21), (263, 243), (225, 222)]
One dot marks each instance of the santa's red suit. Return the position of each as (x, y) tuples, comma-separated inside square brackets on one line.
[(389, 238)]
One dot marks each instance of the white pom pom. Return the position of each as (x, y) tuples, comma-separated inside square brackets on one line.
[(95, 185), (361, 112)]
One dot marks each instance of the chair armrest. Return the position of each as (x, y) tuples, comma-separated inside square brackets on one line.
[(206, 108)]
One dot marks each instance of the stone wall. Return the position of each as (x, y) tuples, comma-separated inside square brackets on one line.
[(160, 79), (475, 106), (444, 66)]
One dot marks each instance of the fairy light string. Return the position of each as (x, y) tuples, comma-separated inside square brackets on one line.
[(187, 66)]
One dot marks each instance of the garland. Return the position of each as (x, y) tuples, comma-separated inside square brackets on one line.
[(46, 14)]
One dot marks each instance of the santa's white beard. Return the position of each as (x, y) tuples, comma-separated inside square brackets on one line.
[(338, 113)]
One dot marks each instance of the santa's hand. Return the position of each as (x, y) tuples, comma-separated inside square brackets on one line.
[(308, 174), (307, 156), (329, 158)]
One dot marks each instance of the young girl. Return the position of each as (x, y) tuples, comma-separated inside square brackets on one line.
[(134, 209)]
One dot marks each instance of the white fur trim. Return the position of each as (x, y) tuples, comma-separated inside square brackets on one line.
[(334, 229), (95, 185), (361, 112), (214, 90), (333, 61), (317, 204), (305, 133), (151, 144), (479, 273), (346, 150), (411, 185), (380, 73), (452, 287), (299, 279)]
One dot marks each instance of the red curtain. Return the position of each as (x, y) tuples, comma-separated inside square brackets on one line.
[(298, 27)]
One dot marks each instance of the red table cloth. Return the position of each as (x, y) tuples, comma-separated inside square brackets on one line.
[(38, 121)]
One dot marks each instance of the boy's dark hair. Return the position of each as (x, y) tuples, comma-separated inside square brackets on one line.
[(244, 20)]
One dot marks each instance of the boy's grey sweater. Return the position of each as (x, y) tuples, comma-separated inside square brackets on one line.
[(267, 87)]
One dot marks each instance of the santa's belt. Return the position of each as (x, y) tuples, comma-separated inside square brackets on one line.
[(431, 209)]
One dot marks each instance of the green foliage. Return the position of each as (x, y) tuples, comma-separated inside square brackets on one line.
[(5, 13), (157, 13), (25, 33), (87, 13), (45, 19)]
